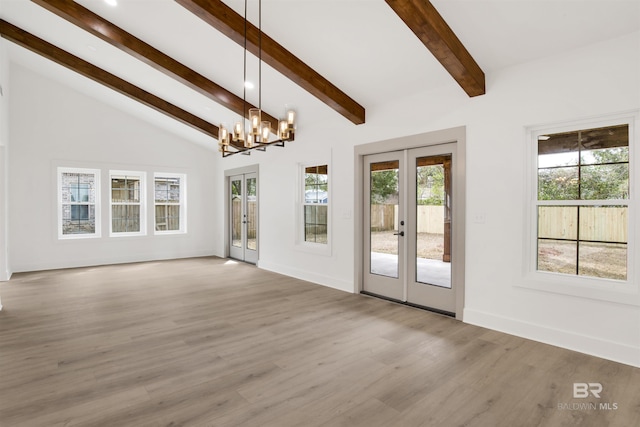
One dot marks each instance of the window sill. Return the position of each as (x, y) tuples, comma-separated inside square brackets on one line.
[(118, 235), (78, 236), (617, 291), (169, 233)]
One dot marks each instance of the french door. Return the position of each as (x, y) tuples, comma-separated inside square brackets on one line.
[(408, 213), (243, 217)]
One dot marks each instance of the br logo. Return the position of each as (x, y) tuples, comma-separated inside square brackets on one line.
[(582, 390)]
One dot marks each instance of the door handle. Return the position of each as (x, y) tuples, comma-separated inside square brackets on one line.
[(401, 234)]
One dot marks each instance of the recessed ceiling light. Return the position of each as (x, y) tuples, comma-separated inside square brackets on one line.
[(249, 85), (111, 2), (543, 138)]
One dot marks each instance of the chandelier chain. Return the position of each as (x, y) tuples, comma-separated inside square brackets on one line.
[(244, 75)]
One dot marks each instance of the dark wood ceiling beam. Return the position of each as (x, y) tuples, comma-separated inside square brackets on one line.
[(116, 36), (427, 24), (227, 21), (80, 66)]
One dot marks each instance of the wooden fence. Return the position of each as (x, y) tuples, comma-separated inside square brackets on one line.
[(555, 222), (605, 224), (430, 218), (237, 219)]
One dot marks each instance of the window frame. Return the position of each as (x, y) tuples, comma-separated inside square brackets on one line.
[(142, 203), (613, 290), (313, 247), (183, 203), (96, 204)]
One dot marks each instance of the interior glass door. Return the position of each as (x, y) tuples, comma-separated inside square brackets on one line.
[(243, 217)]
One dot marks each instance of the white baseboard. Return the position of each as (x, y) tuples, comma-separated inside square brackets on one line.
[(595, 346), (320, 279), (40, 266)]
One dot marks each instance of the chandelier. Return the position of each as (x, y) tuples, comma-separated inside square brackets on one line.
[(257, 136)]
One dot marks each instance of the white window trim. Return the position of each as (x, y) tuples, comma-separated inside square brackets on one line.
[(97, 207), (143, 205), (301, 244), (619, 291), (183, 202)]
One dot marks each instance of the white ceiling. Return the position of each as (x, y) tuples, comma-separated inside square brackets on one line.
[(361, 46)]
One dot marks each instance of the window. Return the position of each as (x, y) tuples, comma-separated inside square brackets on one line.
[(170, 203), (78, 203), (127, 203), (582, 203), (316, 204)]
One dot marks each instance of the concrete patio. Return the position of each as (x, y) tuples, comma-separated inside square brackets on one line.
[(429, 271)]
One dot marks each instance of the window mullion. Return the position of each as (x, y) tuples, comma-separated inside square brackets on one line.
[(598, 228), (612, 202)]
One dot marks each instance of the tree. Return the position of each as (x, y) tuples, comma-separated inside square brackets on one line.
[(236, 189), (602, 175), (384, 184), (558, 183), (430, 185), (607, 176)]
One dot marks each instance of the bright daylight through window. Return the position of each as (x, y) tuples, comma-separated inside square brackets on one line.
[(316, 203), (127, 203), (583, 202), (78, 203), (169, 193)]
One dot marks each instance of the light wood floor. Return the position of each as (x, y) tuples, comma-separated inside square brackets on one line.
[(209, 342)]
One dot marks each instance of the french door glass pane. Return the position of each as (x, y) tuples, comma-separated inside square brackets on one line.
[(236, 213), (384, 204), (433, 221), (251, 213)]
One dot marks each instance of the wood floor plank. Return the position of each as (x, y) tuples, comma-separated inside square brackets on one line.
[(213, 342), (370, 413)]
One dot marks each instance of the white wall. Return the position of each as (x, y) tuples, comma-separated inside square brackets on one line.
[(597, 80), (5, 272), (55, 126), (52, 126)]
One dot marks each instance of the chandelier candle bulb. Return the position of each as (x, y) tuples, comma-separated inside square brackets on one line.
[(265, 130), (254, 119), (291, 118), (282, 131), (249, 142), (238, 132), (223, 135)]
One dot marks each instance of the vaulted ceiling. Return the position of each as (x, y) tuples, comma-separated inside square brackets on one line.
[(350, 55)]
